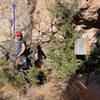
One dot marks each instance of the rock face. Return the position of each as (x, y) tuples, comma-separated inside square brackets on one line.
[(89, 14), (43, 20), (88, 18), (36, 22), (23, 21), (35, 26)]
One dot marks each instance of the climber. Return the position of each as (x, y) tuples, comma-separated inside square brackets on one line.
[(21, 51)]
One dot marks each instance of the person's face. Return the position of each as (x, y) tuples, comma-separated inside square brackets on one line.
[(18, 38)]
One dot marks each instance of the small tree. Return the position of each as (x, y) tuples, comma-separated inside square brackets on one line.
[(62, 53)]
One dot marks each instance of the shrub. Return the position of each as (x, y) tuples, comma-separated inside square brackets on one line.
[(33, 73), (62, 53), (1, 84), (3, 62), (16, 78)]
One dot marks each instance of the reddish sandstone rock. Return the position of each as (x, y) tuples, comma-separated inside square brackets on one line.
[(91, 13), (23, 22)]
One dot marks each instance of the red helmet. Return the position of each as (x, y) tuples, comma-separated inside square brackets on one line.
[(19, 34)]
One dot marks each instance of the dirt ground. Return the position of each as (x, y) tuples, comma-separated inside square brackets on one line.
[(75, 88)]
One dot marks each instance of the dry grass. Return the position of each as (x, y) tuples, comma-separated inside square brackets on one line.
[(79, 91), (49, 91), (56, 90), (8, 92)]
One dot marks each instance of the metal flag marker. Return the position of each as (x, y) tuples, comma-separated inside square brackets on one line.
[(14, 16)]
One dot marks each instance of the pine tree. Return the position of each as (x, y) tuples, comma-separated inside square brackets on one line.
[(62, 53)]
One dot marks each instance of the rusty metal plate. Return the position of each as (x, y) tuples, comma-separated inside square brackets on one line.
[(81, 46)]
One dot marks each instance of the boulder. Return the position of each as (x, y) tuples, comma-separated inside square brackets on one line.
[(90, 14)]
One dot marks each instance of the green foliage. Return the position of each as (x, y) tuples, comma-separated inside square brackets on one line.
[(62, 53), (1, 84), (16, 78), (3, 74), (33, 73), (3, 62), (12, 76), (65, 13)]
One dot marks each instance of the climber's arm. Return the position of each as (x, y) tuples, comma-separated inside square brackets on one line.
[(22, 51)]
